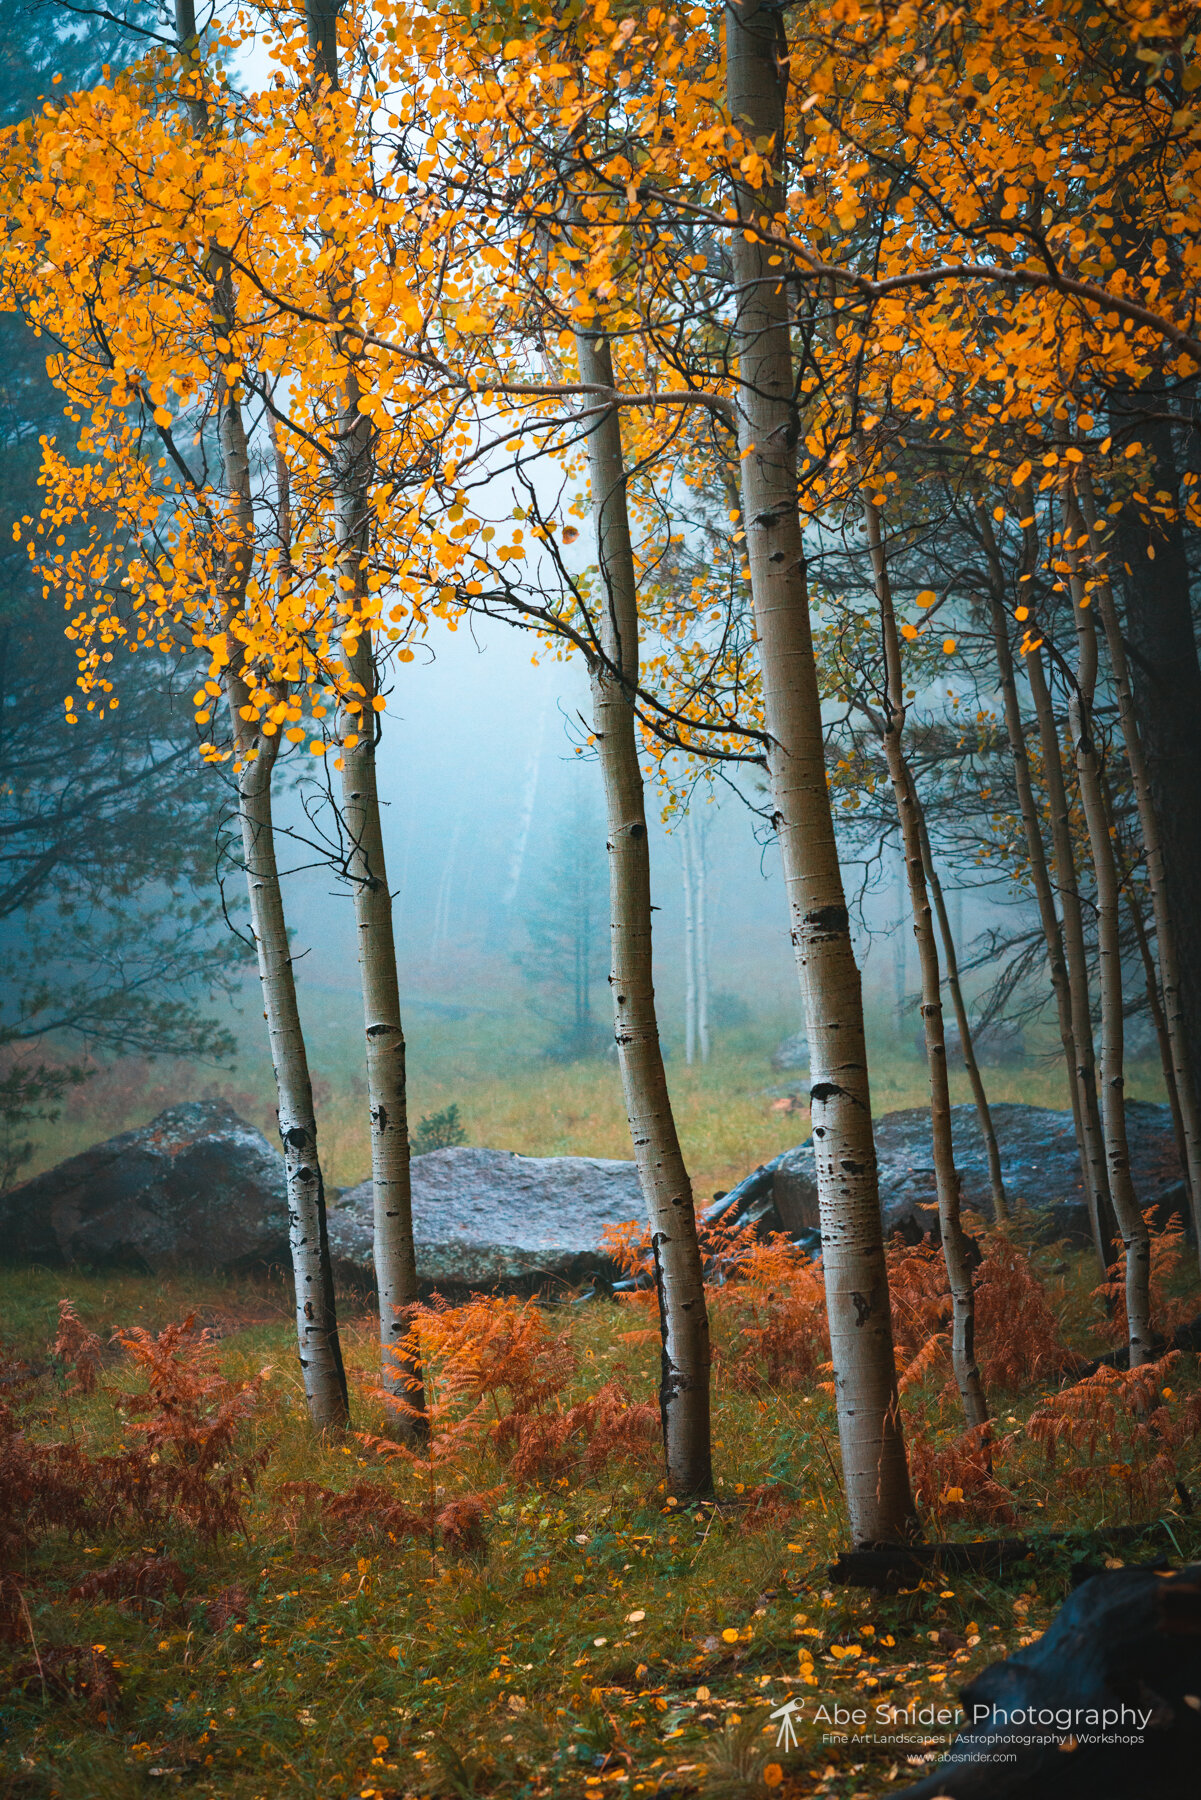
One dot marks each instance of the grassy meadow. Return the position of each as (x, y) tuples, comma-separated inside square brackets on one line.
[(512, 1096)]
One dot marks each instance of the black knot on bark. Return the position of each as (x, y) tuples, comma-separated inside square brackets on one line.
[(828, 918)]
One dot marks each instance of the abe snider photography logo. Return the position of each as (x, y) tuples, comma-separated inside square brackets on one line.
[(888, 1722)]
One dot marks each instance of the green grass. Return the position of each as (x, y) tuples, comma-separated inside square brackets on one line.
[(605, 1641), (512, 1098)]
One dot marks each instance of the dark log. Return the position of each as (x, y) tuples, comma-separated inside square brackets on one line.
[(1106, 1705), (888, 1565)]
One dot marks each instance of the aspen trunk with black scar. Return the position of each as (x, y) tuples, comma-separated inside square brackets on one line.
[(1131, 1224), (387, 1088), (667, 1190), (946, 1175), (875, 1474)]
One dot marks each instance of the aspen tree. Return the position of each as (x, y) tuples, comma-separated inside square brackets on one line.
[(1131, 1224), (1178, 1063), (387, 1089), (1094, 1167), (946, 1175), (875, 1474), (992, 1151), (666, 1188), (316, 1318)]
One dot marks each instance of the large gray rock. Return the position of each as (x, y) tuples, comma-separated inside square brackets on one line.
[(493, 1219), (200, 1189), (792, 1053), (1038, 1161), (197, 1188)]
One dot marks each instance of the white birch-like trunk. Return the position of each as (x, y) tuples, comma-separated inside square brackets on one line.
[(701, 926), (316, 1318), (1096, 1171), (667, 1190), (316, 1321), (1155, 1005), (387, 1096), (525, 816), (1165, 926), (996, 1179), (1036, 852), (688, 873), (900, 944), (913, 836), (1131, 1224), (875, 1473)]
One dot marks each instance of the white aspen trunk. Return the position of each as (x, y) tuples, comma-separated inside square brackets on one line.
[(688, 873), (996, 1179), (387, 1095), (1131, 1223), (1096, 1171), (316, 1319), (900, 945), (1036, 851), (683, 1316), (525, 816), (946, 1175), (441, 932), (875, 1473), (1165, 926), (1154, 1000), (700, 922)]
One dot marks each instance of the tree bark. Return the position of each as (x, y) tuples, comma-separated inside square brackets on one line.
[(387, 1098), (316, 1317), (913, 836), (875, 1474), (1151, 567), (996, 1179), (1126, 880), (316, 1320), (1167, 937), (1036, 851), (689, 942), (1130, 1220), (700, 905), (1096, 1172), (667, 1190)]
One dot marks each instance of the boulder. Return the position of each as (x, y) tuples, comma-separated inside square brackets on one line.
[(998, 1045), (493, 1219), (1114, 1682), (199, 1189), (196, 1189), (792, 1053), (1038, 1160)]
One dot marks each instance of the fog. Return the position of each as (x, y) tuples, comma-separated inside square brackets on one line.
[(483, 771)]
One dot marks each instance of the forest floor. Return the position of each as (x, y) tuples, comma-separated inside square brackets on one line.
[(530, 1614)]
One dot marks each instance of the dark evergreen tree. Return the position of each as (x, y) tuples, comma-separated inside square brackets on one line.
[(111, 932), (566, 924)]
